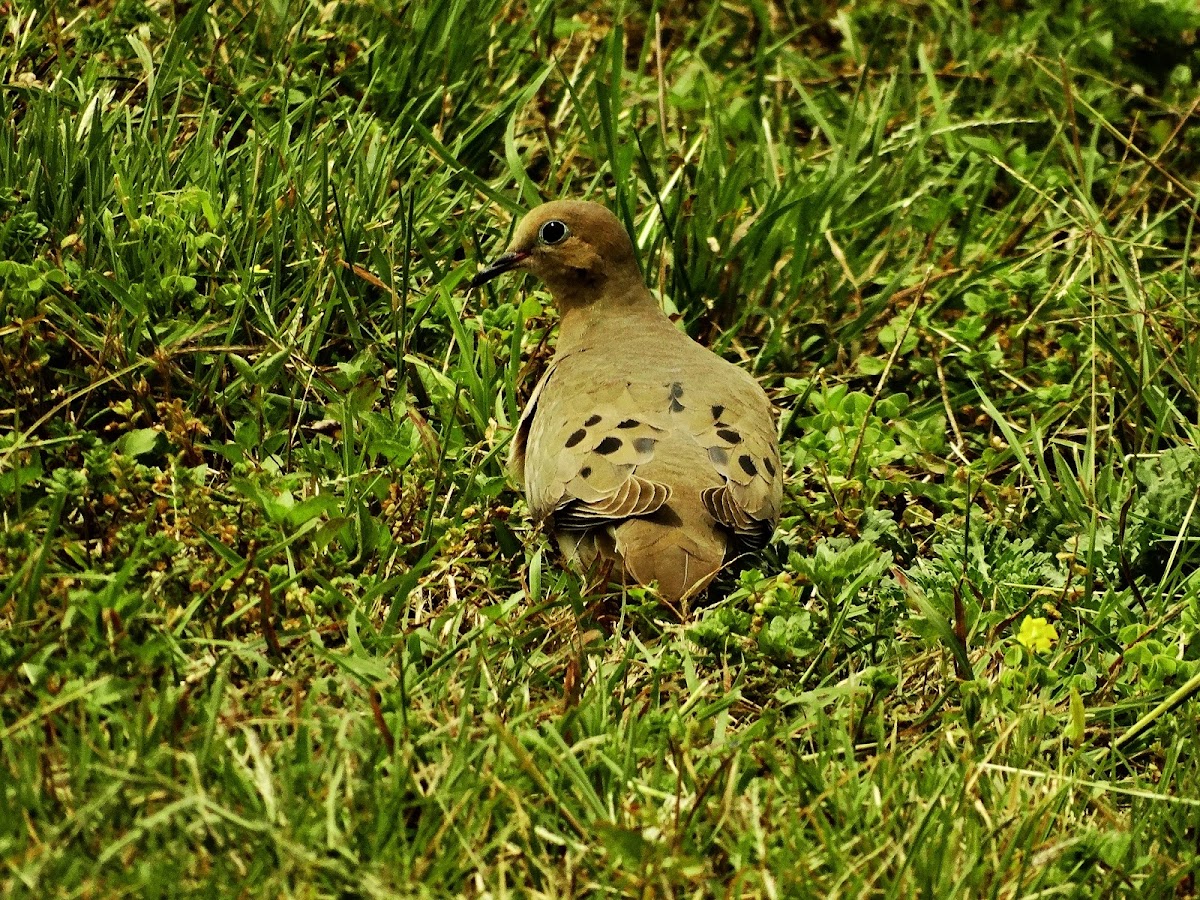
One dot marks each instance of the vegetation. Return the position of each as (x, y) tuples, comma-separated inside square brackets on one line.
[(272, 618)]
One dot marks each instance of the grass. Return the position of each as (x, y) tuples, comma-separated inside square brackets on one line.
[(273, 618)]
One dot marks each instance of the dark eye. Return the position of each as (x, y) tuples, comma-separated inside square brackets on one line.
[(553, 232)]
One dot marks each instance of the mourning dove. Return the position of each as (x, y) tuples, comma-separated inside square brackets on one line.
[(639, 448)]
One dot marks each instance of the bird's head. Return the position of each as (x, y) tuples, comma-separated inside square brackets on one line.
[(580, 250)]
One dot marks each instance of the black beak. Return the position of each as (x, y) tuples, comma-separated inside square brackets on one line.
[(498, 266)]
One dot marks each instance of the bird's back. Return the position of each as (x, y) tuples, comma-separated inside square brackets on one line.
[(648, 450)]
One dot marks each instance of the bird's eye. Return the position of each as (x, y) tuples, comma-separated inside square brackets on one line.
[(553, 232)]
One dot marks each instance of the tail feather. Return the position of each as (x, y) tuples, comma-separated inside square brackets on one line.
[(682, 562), (656, 548)]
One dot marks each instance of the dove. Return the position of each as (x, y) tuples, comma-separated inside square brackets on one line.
[(640, 451)]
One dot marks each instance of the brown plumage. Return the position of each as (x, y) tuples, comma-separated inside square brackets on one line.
[(638, 447)]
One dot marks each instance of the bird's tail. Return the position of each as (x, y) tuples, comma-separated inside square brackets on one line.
[(658, 548)]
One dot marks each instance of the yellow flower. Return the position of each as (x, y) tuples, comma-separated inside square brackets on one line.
[(1037, 634)]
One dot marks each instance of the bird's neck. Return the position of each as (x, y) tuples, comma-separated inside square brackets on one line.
[(611, 315)]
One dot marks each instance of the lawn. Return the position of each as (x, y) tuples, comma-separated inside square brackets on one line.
[(273, 619)]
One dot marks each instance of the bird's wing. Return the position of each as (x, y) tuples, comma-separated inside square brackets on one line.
[(591, 451), (583, 447), (733, 421)]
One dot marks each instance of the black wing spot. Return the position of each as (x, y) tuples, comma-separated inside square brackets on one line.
[(586, 471), (676, 393), (609, 445), (644, 444), (717, 456), (629, 423), (747, 465), (718, 410), (729, 436), (770, 466), (592, 420), (576, 437)]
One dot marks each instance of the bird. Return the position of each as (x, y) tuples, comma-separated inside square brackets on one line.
[(640, 450)]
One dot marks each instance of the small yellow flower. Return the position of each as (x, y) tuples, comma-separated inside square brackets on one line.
[(1037, 634)]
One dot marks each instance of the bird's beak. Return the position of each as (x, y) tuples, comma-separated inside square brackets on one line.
[(499, 266)]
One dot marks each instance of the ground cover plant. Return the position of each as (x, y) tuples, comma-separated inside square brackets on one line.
[(272, 618)]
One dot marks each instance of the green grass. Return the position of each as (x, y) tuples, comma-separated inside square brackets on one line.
[(272, 618)]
